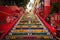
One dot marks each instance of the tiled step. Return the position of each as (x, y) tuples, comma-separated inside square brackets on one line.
[(31, 22), (31, 26), (24, 37), (34, 31), (38, 34)]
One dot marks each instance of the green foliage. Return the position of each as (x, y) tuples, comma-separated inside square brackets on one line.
[(19, 3), (23, 3), (55, 8)]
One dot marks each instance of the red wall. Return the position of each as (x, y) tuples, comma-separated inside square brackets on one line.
[(46, 8), (46, 11), (53, 1)]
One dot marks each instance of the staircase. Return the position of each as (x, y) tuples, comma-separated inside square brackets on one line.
[(29, 27)]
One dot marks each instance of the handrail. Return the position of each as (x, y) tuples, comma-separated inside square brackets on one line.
[(5, 9), (9, 26), (50, 28), (5, 13)]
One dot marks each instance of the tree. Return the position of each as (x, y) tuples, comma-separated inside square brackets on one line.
[(21, 3)]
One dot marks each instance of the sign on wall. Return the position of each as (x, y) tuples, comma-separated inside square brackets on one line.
[(46, 2)]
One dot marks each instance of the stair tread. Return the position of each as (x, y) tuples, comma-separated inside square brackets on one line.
[(28, 31)]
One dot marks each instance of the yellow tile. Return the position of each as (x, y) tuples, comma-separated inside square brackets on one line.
[(40, 26), (46, 37), (20, 30), (37, 30), (18, 26), (12, 37), (32, 26)]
